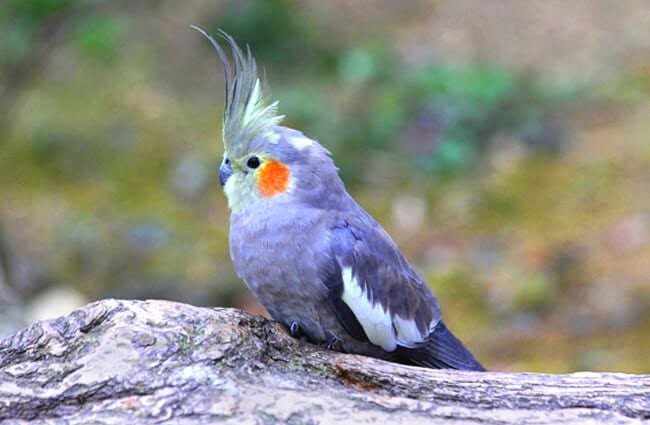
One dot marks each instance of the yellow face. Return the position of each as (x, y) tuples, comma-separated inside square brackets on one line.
[(253, 177)]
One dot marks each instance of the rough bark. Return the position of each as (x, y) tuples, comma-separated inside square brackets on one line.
[(119, 362)]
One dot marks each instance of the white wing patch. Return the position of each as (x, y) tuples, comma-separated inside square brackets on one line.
[(408, 334), (376, 321), (300, 143)]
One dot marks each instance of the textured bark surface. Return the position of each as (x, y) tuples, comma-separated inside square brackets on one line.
[(132, 362)]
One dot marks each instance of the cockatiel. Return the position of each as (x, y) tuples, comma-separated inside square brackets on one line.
[(316, 260)]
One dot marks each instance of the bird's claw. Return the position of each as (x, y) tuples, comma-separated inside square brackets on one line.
[(294, 330), (334, 344)]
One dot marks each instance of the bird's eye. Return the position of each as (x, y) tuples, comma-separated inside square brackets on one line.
[(227, 161), (253, 162)]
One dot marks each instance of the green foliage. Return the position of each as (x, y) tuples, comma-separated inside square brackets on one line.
[(439, 117), (21, 22), (15, 43), (359, 65), (99, 35), (26, 25), (454, 112), (282, 37), (36, 11)]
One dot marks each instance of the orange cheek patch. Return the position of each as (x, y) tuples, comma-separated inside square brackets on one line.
[(273, 178)]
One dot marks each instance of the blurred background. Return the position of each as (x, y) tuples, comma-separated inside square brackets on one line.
[(504, 145)]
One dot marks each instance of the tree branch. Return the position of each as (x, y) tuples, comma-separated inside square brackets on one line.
[(116, 362)]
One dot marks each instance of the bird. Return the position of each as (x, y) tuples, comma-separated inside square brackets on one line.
[(314, 258)]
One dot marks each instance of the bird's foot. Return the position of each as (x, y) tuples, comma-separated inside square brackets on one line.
[(334, 344), (296, 332), (294, 329)]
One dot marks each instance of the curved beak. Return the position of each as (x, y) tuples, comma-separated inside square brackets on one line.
[(225, 171)]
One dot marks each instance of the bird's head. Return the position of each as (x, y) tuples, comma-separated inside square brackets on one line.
[(263, 161)]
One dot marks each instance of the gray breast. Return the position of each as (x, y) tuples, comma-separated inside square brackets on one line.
[(281, 257)]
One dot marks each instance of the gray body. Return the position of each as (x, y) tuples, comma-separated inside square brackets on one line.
[(309, 253), (287, 274), (286, 254)]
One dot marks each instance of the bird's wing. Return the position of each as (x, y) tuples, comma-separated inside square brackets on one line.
[(375, 293)]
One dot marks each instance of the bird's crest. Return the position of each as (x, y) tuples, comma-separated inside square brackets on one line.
[(246, 112)]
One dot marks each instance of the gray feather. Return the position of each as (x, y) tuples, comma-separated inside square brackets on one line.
[(246, 113), (383, 273)]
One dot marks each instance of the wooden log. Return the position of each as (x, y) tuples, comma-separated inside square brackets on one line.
[(133, 362)]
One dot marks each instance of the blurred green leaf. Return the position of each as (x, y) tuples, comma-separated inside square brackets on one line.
[(387, 115), (99, 36), (357, 66), (534, 292), (15, 43), (38, 10), (280, 33), (453, 155)]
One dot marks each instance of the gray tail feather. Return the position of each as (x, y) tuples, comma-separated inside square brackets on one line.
[(442, 351)]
